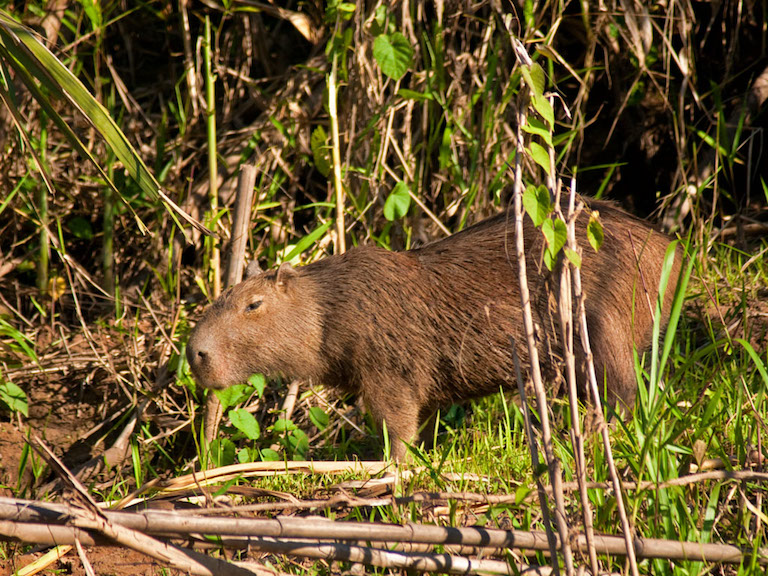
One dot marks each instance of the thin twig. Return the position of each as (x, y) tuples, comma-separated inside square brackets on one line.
[(566, 326)]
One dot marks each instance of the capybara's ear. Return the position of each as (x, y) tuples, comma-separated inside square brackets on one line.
[(252, 269), (285, 274)]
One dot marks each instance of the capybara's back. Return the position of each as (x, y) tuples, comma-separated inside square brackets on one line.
[(413, 331)]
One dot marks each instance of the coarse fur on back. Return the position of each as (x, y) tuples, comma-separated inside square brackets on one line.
[(416, 330)]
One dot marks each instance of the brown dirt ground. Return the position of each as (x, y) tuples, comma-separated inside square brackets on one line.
[(64, 405)]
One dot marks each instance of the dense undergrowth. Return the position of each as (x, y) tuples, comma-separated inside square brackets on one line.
[(659, 107)]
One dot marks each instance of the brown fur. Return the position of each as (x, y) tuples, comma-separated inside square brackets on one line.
[(413, 331)]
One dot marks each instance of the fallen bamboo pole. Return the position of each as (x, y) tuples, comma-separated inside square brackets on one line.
[(169, 523)]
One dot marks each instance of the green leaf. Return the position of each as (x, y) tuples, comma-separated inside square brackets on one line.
[(540, 155), (537, 203), (535, 79), (233, 395), (413, 95), (595, 231), (23, 342), (556, 233), (573, 256), (307, 241), (269, 455), (14, 397), (283, 425), (398, 202), (544, 108), (246, 423), (535, 126), (222, 452), (393, 53), (318, 417), (80, 228), (539, 79), (299, 442), (92, 10), (318, 142), (259, 382)]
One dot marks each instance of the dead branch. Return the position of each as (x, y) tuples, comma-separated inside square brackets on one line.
[(44, 523)]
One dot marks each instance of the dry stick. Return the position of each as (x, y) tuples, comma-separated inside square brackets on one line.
[(241, 218), (189, 61), (566, 326), (553, 464), (543, 501), (43, 522), (579, 294), (340, 244), (213, 169)]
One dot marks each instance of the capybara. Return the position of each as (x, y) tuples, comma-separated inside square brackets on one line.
[(416, 330)]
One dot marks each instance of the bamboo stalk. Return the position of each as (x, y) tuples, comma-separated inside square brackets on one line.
[(340, 245), (602, 425), (213, 169), (241, 219), (566, 327), (16, 513)]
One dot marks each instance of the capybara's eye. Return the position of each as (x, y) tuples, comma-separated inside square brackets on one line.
[(253, 306)]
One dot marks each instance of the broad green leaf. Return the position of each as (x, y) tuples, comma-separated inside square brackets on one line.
[(534, 79), (233, 395), (14, 397), (398, 202), (318, 417), (307, 241), (573, 256), (283, 425), (393, 53), (595, 231), (539, 79), (318, 142), (535, 126), (269, 455), (556, 234), (222, 452), (544, 108), (539, 155), (246, 423), (537, 203), (80, 228), (259, 382)]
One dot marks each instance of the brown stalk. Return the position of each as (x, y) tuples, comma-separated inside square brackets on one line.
[(517, 195), (566, 326), (241, 218), (553, 464), (45, 522), (580, 297)]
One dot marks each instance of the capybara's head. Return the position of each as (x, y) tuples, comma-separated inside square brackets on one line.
[(269, 323)]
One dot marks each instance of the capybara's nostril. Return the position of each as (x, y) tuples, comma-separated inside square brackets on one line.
[(196, 356)]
